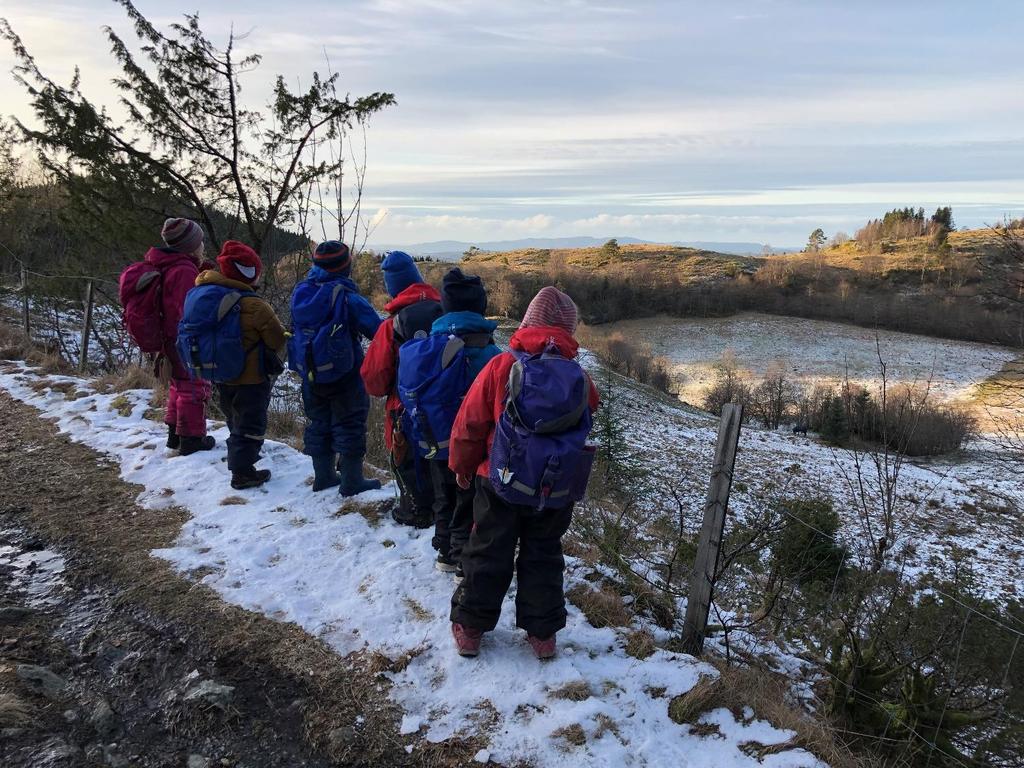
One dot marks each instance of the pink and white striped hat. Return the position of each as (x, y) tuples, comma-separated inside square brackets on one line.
[(551, 307)]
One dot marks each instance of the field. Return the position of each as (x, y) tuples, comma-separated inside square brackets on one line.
[(816, 351)]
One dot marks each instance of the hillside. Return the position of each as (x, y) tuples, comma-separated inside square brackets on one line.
[(639, 260), (970, 288)]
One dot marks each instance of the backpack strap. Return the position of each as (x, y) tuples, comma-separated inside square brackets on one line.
[(451, 349), (477, 340), (227, 303), (145, 279)]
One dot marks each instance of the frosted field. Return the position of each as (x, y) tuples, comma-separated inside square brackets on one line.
[(815, 350)]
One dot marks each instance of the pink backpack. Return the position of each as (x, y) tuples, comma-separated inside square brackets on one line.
[(140, 295)]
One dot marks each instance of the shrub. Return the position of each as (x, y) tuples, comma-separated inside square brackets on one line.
[(807, 552)]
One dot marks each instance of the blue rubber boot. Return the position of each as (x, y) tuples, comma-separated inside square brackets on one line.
[(352, 480), (324, 476)]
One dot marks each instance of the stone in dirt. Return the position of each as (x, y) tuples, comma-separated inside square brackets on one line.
[(12, 614), (103, 719), (199, 761), (42, 680), (210, 692)]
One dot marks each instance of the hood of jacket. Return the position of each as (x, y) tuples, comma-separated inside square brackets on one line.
[(321, 275), (213, 277), (414, 293), (162, 258), (536, 339), (463, 322)]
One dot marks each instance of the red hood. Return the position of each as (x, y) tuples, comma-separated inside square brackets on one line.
[(412, 294), (163, 258), (536, 339)]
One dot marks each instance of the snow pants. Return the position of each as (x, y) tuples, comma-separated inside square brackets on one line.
[(453, 511), (186, 406), (489, 560), (336, 416), (245, 408)]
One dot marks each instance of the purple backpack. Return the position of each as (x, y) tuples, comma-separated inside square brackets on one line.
[(540, 457)]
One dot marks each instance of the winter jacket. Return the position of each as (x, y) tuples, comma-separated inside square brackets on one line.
[(178, 273), (262, 332), (483, 405), (463, 323), (362, 317), (380, 368)]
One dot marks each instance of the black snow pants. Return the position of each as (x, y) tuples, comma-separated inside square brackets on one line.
[(453, 511), (245, 408), (489, 560)]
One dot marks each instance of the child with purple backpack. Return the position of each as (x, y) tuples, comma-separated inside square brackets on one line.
[(521, 433)]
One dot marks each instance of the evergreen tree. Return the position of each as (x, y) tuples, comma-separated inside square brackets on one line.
[(617, 464), (816, 241), (835, 428)]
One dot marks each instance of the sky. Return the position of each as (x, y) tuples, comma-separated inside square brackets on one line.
[(736, 120)]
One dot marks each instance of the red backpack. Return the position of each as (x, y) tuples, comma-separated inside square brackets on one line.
[(142, 302)]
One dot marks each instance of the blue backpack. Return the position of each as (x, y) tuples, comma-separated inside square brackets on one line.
[(210, 333), (433, 378), (540, 457), (321, 348)]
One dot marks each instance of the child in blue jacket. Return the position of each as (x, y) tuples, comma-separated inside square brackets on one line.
[(464, 301), (337, 411)]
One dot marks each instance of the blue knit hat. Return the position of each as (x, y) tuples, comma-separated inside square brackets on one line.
[(400, 272), (333, 256)]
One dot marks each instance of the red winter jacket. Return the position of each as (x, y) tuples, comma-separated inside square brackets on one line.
[(473, 431), (178, 274), (380, 366)]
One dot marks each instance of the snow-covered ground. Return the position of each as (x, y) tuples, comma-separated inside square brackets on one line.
[(364, 584), (814, 350), (964, 503)]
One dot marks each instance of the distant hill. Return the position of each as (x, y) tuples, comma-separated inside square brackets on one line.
[(452, 250)]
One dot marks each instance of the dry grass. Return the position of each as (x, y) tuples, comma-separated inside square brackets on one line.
[(418, 611), (602, 606), (233, 501), (573, 735), (14, 346), (578, 690), (640, 644), (132, 377), (123, 405), (766, 694)]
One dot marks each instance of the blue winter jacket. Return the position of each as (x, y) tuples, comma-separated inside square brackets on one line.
[(362, 317), (461, 323)]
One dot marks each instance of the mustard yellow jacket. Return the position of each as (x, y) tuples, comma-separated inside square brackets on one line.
[(259, 324)]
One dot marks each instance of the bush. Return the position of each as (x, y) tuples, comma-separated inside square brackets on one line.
[(807, 552)]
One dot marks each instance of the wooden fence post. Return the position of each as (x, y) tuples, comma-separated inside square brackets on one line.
[(702, 580), (83, 359), (24, 303)]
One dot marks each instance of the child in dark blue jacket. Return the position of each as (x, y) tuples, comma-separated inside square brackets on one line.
[(336, 408), (464, 301)]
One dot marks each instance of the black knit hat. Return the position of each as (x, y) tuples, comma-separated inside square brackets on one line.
[(463, 293)]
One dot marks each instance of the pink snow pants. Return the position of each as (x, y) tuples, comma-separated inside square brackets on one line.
[(186, 406)]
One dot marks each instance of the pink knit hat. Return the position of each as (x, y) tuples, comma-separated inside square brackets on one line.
[(551, 307)]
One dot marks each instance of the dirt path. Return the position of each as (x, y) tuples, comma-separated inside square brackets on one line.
[(107, 657)]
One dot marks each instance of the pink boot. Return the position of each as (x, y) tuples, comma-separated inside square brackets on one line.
[(544, 649), (467, 640)]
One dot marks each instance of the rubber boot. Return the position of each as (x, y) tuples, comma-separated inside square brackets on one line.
[(249, 478), (324, 475), (352, 480), (190, 444), (173, 441)]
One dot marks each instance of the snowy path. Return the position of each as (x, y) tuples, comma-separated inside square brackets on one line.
[(365, 584)]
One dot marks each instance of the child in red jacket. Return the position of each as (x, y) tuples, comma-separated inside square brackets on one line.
[(413, 308), (499, 526)]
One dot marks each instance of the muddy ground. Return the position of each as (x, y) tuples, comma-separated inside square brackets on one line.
[(109, 658)]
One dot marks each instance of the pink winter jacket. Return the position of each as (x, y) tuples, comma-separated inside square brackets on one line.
[(178, 276)]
